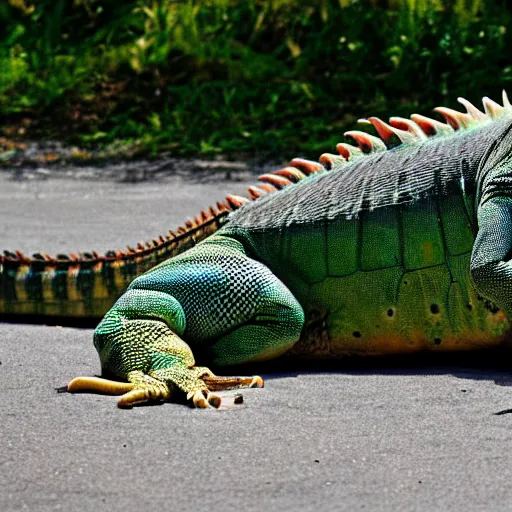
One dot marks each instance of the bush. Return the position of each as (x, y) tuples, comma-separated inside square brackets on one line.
[(274, 76)]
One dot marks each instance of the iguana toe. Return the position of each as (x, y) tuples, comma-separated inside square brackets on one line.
[(198, 399), (145, 388), (215, 400), (257, 382), (141, 388), (100, 385)]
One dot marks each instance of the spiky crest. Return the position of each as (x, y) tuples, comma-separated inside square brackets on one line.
[(409, 131)]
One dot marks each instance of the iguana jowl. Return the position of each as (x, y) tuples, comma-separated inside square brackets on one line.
[(399, 245)]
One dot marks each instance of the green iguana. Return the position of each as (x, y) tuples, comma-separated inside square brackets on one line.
[(399, 245)]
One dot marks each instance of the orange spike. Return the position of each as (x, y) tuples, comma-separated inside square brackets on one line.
[(213, 211), (267, 187), (222, 207), (276, 180), (255, 192), (454, 118), (306, 166), (431, 126), (236, 201), (347, 151), (140, 246), (291, 173), (367, 143), (329, 161), (407, 126), (22, 257), (384, 130)]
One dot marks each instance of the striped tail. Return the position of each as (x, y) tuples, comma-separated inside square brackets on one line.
[(87, 285)]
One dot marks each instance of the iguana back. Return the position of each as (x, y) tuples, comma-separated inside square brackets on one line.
[(378, 251)]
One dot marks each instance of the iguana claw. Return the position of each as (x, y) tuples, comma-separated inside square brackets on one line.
[(202, 402)]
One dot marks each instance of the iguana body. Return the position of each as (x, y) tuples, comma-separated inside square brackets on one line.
[(392, 252)]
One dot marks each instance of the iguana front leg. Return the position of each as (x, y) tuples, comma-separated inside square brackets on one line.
[(135, 342), (164, 365), (491, 263), (238, 312)]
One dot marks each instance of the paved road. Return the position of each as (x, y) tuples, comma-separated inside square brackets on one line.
[(397, 437)]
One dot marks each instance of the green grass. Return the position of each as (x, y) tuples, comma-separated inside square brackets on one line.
[(280, 77)]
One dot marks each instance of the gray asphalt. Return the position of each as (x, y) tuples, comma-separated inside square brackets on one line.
[(393, 438)]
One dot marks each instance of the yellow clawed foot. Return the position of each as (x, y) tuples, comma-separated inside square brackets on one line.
[(143, 388)]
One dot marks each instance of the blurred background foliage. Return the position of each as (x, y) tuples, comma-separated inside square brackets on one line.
[(279, 77)]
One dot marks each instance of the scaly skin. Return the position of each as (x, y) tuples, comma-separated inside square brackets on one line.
[(393, 252), (87, 285)]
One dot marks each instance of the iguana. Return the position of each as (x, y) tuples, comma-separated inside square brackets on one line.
[(399, 245)]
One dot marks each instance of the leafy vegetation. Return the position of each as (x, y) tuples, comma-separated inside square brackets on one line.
[(273, 76)]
